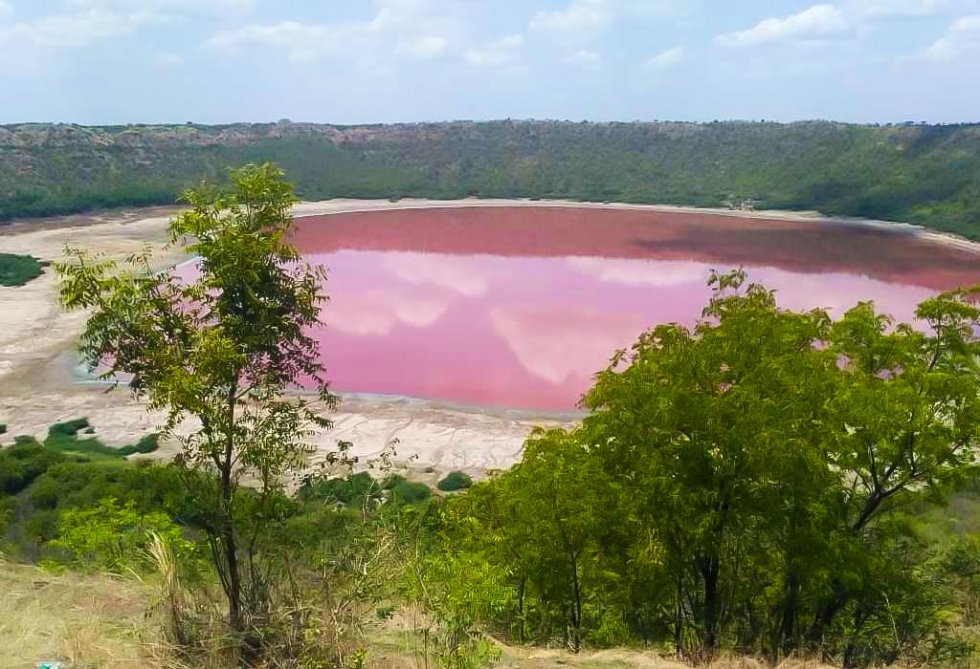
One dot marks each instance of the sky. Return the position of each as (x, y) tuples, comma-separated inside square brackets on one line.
[(369, 61)]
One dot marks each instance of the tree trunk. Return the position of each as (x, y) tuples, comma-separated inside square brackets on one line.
[(787, 626), (576, 607), (228, 539), (522, 616), (679, 616), (825, 616), (712, 603), (229, 543)]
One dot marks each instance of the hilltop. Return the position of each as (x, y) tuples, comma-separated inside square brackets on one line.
[(929, 175)]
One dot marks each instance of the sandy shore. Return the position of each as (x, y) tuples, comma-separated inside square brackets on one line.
[(38, 387)]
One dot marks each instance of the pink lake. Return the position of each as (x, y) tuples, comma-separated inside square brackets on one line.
[(518, 307)]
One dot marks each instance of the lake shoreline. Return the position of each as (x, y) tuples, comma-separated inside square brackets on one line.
[(306, 208), (36, 388)]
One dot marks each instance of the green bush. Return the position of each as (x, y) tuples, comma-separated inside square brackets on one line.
[(63, 437), (355, 489), (455, 481), (83, 483), (403, 492), (349, 490), (69, 428), (22, 463), (147, 444), (16, 270), (113, 537)]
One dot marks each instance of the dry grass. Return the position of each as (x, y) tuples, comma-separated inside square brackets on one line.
[(392, 646), (100, 622), (626, 659), (85, 621)]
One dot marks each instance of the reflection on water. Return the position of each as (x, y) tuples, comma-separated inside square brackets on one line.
[(410, 315)]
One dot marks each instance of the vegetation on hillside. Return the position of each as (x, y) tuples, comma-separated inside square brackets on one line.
[(916, 173), (750, 483), (767, 482), (17, 270)]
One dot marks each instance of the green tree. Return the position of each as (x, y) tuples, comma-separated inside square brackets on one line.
[(745, 483), (221, 347), (545, 519), (907, 420), (698, 421)]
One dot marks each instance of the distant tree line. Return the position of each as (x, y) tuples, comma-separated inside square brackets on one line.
[(915, 173)]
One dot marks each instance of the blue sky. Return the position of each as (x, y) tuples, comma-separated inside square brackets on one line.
[(350, 61)]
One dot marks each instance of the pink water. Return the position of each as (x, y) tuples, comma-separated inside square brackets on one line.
[(520, 306)]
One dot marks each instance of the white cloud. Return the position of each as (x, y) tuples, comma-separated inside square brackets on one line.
[(376, 313), (412, 26), (578, 16), (629, 272), (90, 21), (423, 48), (666, 59), (885, 8), (558, 345), (458, 275), (962, 37), (168, 8), (72, 30), (501, 53), (587, 16), (966, 24), (819, 22), (584, 57), (167, 59), (302, 41)]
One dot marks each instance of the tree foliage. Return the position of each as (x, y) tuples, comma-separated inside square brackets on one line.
[(221, 348), (744, 483)]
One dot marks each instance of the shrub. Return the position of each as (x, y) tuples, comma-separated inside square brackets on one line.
[(22, 463), (402, 491), (147, 444), (112, 536), (455, 481), (348, 490), (16, 270), (63, 437)]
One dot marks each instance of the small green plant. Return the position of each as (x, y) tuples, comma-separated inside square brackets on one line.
[(455, 481)]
